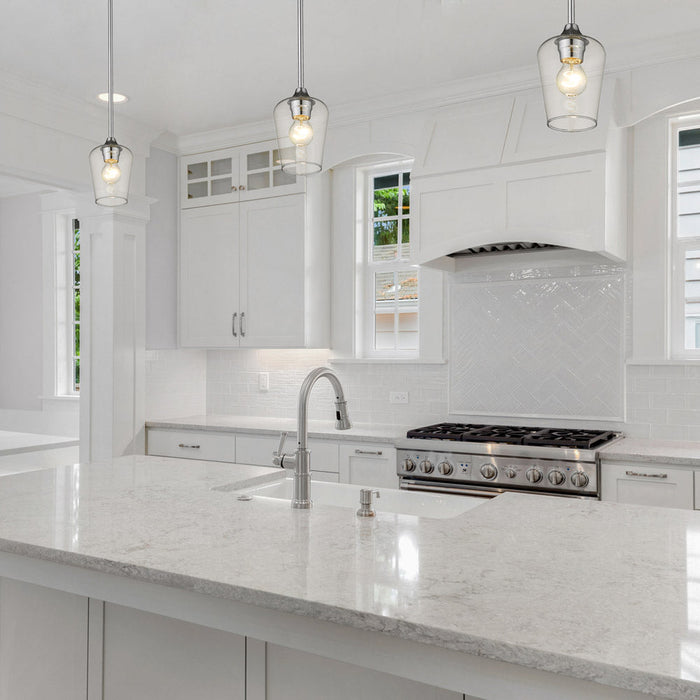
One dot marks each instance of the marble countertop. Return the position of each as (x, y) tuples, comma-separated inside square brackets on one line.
[(360, 432), (16, 443), (653, 451), (600, 591)]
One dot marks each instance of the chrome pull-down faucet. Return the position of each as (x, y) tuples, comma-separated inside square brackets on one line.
[(301, 461)]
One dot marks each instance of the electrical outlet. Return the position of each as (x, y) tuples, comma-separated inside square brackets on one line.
[(264, 381), (398, 397)]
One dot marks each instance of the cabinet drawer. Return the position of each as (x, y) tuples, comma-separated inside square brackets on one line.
[(368, 465), (190, 444), (647, 485), (258, 449)]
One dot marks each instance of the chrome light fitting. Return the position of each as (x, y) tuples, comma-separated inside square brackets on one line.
[(571, 72), (301, 120), (110, 163)]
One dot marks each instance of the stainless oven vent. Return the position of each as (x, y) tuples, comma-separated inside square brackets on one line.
[(492, 248)]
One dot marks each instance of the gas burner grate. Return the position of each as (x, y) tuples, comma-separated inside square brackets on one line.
[(514, 435)]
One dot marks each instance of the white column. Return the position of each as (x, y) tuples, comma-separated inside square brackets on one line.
[(112, 329)]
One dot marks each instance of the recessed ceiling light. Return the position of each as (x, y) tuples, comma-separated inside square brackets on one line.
[(104, 96)]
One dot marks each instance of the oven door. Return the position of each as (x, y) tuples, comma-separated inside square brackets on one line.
[(440, 487)]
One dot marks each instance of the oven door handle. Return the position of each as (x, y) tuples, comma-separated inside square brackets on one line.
[(410, 485)]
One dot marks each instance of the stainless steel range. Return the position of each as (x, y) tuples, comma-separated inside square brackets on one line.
[(485, 460)]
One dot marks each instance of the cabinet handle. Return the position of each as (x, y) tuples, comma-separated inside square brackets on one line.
[(659, 475), (378, 453), (233, 188), (242, 187), (189, 447), (233, 325), (242, 326)]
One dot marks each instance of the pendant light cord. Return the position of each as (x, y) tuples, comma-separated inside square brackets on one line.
[(110, 70), (300, 43), (572, 11)]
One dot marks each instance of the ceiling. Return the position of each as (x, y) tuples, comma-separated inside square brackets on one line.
[(190, 66)]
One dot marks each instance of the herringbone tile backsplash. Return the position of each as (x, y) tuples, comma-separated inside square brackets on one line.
[(530, 347)]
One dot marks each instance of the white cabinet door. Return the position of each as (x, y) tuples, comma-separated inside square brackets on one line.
[(650, 485), (258, 449), (209, 264), (151, 657), (43, 643), (261, 174), (297, 675), (273, 272), (368, 465)]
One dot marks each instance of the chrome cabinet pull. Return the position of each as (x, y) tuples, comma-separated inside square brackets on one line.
[(378, 453), (242, 326), (233, 325), (189, 447), (242, 187), (659, 475), (233, 188)]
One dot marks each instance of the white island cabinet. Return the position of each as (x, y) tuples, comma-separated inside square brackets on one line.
[(146, 578)]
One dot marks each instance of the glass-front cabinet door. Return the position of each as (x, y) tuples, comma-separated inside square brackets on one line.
[(261, 173), (210, 178)]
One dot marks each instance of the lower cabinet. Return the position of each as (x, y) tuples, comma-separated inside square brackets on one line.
[(151, 657), (297, 675), (43, 643), (648, 485), (368, 465)]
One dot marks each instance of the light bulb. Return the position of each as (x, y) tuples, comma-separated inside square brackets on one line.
[(571, 79), (301, 132), (111, 173)]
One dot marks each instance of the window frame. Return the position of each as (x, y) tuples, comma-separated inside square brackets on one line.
[(367, 268), (678, 247)]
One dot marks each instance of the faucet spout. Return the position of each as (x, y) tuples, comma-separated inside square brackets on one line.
[(302, 460)]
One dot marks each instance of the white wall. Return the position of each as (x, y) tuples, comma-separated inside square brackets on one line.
[(21, 319)]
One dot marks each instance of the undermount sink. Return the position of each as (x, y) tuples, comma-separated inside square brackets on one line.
[(426, 505)]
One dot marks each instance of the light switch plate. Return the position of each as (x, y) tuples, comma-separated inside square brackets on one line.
[(264, 381)]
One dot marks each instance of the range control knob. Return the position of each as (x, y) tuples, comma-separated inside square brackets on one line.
[(533, 475), (426, 466), (579, 479), (510, 472), (488, 471), (409, 465), (556, 477), (445, 468)]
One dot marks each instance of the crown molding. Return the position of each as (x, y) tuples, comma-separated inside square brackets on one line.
[(634, 55)]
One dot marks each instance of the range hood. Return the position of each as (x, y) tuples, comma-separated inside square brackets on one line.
[(490, 179)]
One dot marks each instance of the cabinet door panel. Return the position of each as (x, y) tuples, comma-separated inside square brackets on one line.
[(151, 657), (653, 485), (190, 444), (297, 675), (273, 272), (43, 643), (369, 465), (261, 174), (209, 178), (209, 263)]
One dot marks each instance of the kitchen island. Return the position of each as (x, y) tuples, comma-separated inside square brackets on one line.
[(157, 569)]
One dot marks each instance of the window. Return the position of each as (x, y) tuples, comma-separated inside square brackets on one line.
[(685, 237), (389, 312), (67, 305)]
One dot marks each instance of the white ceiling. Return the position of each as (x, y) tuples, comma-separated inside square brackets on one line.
[(196, 65)]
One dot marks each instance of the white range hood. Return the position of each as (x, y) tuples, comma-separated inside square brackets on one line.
[(490, 173)]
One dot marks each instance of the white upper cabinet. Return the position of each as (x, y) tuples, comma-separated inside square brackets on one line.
[(244, 276), (235, 174)]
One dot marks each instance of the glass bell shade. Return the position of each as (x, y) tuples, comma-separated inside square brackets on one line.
[(300, 122), (110, 167), (571, 71)]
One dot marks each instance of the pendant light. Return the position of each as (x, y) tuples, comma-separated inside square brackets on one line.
[(110, 163), (300, 120), (571, 72)]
